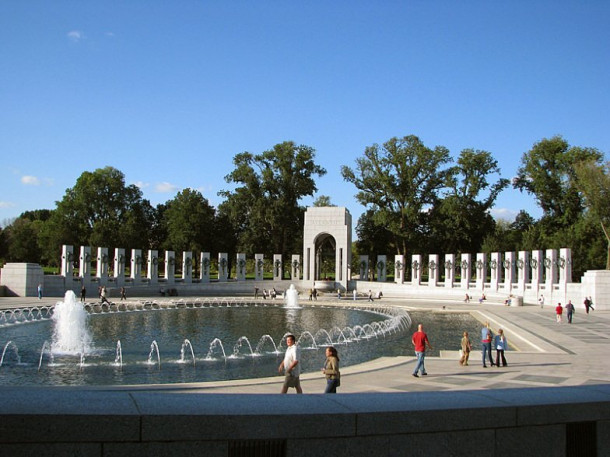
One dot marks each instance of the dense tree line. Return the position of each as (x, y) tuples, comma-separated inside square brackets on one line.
[(417, 199)]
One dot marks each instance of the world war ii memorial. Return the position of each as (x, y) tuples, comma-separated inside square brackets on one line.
[(553, 398)]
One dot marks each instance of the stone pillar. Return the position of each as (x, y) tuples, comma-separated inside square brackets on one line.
[(523, 270), (223, 266), (433, 270), (240, 267), (67, 259), (170, 267), (259, 266), (364, 268), (204, 267), (381, 268), (495, 266), (277, 267), (509, 271), (295, 271), (136, 265), (119, 266), (102, 265), (416, 269), (449, 270), (550, 269), (481, 270), (537, 264), (466, 270), (399, 269), (85, 263), (187, 267), (152, 270), (565, 266)]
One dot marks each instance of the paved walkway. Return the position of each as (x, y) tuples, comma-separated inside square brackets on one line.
[(549, 354)]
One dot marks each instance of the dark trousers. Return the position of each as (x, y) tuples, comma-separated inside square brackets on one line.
[(500, 355)]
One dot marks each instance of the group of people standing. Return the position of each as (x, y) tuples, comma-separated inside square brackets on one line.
[(489, 341)]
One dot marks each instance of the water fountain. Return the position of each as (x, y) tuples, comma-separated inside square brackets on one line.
[(112, 347), (291, 297), (71, 334)]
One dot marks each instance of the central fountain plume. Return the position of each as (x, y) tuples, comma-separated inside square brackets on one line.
[(291, 297), (71, 332)]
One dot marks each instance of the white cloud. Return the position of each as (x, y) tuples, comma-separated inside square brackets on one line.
[(165, 187), (30, 180), (6, 204), (504, 213), (141, 184), (76, 35)]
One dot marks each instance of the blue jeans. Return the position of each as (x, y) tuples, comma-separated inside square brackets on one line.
[(487, 350), (331, 386), (420, 362)]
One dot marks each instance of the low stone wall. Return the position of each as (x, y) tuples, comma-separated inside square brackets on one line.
[(561, 421)]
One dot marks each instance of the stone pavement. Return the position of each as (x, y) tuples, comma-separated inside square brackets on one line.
[(546, 354)]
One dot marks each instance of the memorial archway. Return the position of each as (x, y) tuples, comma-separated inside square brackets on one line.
[(327, 231)]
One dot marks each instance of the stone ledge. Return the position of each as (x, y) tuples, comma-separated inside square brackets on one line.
[(66, 416)]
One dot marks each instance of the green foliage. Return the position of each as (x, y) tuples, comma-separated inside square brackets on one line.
[(547, 172), (322, 200), (461, 220), (264, 210), (594, 183), (23, 241), (189, 221), (372, 238), (100, 210), (416, 199), (399, 180)]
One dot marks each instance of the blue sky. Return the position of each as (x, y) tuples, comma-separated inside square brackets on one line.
[(169, 92)]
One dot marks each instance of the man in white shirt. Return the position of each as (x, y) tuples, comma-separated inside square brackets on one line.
[(291, 366)]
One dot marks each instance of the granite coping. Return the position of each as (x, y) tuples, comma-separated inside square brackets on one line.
[(36, 415)]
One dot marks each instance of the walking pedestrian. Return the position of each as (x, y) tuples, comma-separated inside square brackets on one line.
[(291, 367), (570, 311), (558, 312), (331, 370), (420, 341)]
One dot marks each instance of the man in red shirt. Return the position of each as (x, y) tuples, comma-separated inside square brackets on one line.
[(559, 311), (420, 340)]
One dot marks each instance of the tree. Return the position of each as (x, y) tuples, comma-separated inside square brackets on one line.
[(511, 236), (594, 183), (547, 172), (372, 238), (100, 210), (461, 220), (264, 207), (22, 236), (322, 200), (400, 181), (23, 240), (3, 245), (189, 220)]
